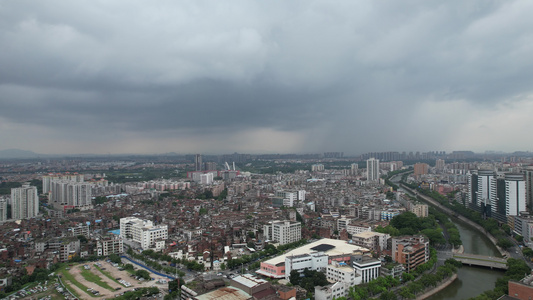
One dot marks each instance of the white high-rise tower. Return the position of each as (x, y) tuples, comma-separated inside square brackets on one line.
[(372, 169), (24, 202)]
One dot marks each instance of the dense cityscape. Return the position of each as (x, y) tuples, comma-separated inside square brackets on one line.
[(266, 150), (240, 226)]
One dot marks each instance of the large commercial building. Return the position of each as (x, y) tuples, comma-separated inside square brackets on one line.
[(283, 232), (336, 250), (372, 169), (24, 202), (144, 233), (316, 261)]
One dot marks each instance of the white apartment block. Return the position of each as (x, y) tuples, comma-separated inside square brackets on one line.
[(283, 232), (110, 245), (341, 272), (24, 202), (317, 168), (144, 232), (355, 229), (290, 197), (316, 261), (206, 178)]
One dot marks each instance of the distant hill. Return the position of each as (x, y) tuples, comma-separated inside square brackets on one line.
[(17, 153)]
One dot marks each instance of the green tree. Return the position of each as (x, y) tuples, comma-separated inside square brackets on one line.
[(528, 252), (388, 295), (504, 243), (294, 277), (143, 273), (115, 258)]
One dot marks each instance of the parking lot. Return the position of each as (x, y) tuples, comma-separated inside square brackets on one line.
[(126, 281)]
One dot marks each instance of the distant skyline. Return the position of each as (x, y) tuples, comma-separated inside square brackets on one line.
[(102, 77)]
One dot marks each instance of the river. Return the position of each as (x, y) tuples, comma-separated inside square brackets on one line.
[(471, 281)]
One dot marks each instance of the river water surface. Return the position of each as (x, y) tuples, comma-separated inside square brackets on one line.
[(471, 281)]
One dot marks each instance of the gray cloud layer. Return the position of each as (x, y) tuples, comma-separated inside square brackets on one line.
[(299, 76)]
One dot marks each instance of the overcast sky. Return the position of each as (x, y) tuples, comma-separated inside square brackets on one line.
[(265, 76)]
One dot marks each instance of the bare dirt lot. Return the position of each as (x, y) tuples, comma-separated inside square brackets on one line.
[(76, 270)]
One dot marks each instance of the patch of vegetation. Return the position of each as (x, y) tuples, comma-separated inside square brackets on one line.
[(106, 274), (69, 277), (89, 276)]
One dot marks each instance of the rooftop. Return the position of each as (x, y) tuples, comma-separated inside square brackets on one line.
[(338, 247), (249, 280), (225, 293)]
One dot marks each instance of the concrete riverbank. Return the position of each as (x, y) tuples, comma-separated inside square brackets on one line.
[(437, 289)]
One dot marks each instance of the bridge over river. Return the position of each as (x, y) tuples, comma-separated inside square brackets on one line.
[(481, 260)]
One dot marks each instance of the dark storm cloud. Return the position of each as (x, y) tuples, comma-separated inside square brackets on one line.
[(349, 75)]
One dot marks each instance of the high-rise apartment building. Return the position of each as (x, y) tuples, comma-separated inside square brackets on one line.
[(317, 168), (198, 166), (515, 194), (71, 194), (48, 179), (420, 169), (439, 164), (529, 187), (24, 202), (479, 186), (507, 196), (354, 169), (206, 178), (372, 169), (210, 166), (3, 210)]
